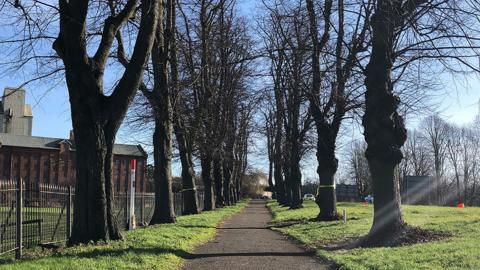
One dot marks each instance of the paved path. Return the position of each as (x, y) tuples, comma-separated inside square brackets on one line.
[(244, 242)]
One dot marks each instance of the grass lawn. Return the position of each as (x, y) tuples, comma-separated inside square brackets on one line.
[(461, 251), (155, 247)]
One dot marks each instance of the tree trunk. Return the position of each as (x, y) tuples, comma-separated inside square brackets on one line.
[(218, 179), (233, 192), (271, 185), (112, 222), (438, 183), (296, 183), (227, 174), (189, 191), (162, 174), (278, 171), (288, 186), (209, 199), (160, 99), (459, 192), (279, 183), (94, 192), (385, 131), (238, 188), (326, 198)]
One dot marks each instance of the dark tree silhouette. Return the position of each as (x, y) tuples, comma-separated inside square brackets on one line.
[(330, 107)]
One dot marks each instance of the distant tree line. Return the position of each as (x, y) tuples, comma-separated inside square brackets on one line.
[(445, 151), (367, 60)]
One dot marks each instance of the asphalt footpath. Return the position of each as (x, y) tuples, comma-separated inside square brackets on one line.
[(245, 242)]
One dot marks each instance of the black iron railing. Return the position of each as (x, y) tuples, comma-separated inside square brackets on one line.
[(33, 214)]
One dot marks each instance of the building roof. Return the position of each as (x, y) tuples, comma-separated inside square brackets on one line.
[(54, 143)]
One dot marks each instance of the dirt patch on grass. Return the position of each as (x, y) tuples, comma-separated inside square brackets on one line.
[(415, 235), (406, 236)]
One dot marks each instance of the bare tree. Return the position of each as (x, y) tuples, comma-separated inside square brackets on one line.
[(411, 30), (418, 151), (287, 42), (329, 107), (435, 134), (455, 146), (159, 98), (83, 49), (359, 169), (268, 130), (215, 62)]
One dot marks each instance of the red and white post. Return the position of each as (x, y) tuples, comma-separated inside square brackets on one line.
[(131, 218)]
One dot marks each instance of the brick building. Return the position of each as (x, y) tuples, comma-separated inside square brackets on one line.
[(52, 161)]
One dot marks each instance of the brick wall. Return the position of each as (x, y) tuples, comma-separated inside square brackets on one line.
[(58, 167)]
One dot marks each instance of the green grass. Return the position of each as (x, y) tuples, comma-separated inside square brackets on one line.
[(461, 251), (155, 247)]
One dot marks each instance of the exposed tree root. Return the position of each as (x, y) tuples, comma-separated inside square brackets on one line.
[(329, 217), (403, 236), (293, 207)]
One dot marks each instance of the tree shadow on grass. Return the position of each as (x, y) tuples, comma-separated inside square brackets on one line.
[(99, 253), (288, 223), (110, 253), (196, 226), (223, 228)]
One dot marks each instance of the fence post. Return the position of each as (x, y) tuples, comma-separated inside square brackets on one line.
[(19, 221), (69, 212), (142, 208)]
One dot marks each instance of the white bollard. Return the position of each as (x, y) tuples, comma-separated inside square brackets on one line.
[(131, 219)]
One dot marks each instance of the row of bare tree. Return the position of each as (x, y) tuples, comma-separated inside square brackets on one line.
[(190, 60), (197, 90), (331, 60)]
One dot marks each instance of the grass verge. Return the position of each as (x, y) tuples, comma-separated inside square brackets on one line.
[(154, 247), (457, 252)]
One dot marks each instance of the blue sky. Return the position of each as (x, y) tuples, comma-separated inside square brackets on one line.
[(52, 112)]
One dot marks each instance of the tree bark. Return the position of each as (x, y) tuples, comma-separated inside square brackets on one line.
[(218, 179), (288, 186), (385, 131), (227, 174), (326, 198), (94, 192), (296, 181), (209, 199), (279, 183), (160, 101), (162, 175), (271, 185), (189, 191)]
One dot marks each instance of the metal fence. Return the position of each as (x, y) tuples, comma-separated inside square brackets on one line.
[(347, 193), (34, 214)]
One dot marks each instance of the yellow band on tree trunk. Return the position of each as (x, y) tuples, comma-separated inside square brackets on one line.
[(326, 186), (188, 189)]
